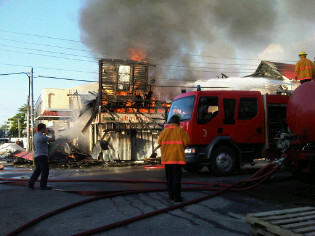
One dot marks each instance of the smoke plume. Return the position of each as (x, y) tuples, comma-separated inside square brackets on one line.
[(172, 32), (180, 35)]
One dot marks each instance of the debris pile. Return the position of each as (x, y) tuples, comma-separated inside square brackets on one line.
[(10, 148), (63, 153)]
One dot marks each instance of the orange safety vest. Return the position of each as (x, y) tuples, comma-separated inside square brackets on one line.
[(173, 141), (304, 69)]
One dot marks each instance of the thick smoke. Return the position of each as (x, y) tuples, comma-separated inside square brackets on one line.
[(74, 134), (181, 35), (172, 32)]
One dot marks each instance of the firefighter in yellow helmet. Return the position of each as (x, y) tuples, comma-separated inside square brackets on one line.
[(173, 141), (304, 69)]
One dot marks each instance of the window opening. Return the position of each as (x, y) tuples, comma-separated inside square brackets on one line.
[(208, 108)]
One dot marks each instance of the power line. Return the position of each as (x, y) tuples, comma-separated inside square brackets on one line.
[(68, 54), (54, 46), (67, 58), (162, 65), (40, 50), (70, 58), (49, 68), (75, 55), (37, 54), (17, 73), (60, 78), (46, 45), (77, 41), (159, 64), (41, 36)]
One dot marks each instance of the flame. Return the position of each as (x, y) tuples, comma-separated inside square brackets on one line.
[(142, 110), (137, 54), (168, 105), (123, 93), (120, 110)]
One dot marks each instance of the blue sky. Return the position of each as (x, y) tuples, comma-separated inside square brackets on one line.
[(21, 24)]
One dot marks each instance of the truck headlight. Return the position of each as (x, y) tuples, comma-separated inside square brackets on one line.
[(190, 150)]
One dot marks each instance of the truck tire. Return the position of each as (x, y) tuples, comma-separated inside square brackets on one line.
[(223, 161), (193, 167)]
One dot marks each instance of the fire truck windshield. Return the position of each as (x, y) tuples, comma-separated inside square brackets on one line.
[(183, 107)]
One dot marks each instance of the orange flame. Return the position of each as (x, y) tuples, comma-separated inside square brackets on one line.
[(123, 93), (137, 54)]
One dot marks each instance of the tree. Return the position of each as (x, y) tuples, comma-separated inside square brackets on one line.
[(14, 130), (3, 130)]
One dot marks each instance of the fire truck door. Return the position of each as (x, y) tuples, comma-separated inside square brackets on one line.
[(209, 121), (249, 122), (228, 127)]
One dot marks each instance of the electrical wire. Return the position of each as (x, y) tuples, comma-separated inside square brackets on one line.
[(84, 42), (189, 68), (52, 77), (16, 73), (49, 68), (37, 54)]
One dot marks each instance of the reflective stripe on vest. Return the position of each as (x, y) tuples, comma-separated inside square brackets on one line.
[(303, 68), (172, 142), (174, 162)]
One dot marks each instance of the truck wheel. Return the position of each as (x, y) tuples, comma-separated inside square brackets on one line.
[(222, 161), (193, 167)]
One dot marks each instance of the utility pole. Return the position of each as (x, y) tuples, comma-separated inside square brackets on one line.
[(32, 109), (28, 125), (19, 129)]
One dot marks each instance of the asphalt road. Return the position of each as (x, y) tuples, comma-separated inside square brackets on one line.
[(221, 215)]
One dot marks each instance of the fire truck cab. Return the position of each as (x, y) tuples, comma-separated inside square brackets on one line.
[(228, 128)]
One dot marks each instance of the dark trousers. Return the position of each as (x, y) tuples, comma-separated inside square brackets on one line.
[(173, 176), (42, 168), (305, 80)]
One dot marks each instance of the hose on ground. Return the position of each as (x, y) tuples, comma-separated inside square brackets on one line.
[(256, 179)]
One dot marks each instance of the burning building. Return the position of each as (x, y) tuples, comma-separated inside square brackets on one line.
[(126, 119)]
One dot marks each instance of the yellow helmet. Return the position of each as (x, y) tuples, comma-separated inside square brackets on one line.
[(302, 53)]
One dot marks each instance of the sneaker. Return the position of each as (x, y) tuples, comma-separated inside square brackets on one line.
[(31, 187), (46, 188)]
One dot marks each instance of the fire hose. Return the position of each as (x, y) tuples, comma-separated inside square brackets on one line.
[(256, 179)]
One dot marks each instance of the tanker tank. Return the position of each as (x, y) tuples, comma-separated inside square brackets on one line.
[(301, 112)]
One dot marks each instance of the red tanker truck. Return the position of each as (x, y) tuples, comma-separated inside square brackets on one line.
[(228, 129), (299, 143)]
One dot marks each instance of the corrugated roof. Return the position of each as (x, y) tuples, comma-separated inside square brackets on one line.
[(24, 155), (287, 70), (275, 70)]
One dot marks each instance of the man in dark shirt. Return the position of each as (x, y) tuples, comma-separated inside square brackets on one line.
[(41, 157)]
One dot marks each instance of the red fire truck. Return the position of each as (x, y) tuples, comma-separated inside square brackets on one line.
[(229, 128)]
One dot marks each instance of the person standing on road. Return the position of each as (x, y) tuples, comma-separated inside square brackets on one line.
[(304, 69), (173, 141), (41, 157)]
